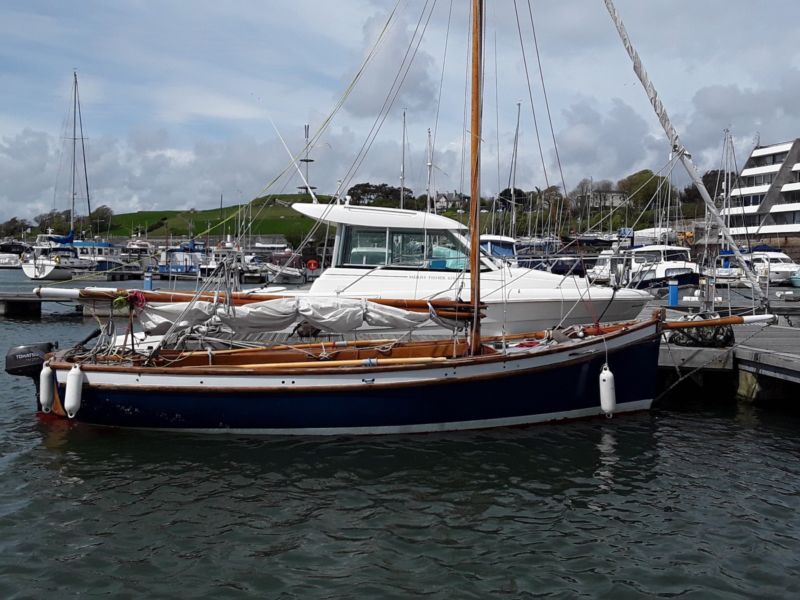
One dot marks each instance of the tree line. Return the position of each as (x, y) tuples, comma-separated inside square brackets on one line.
[(96, 223), (639, 190)]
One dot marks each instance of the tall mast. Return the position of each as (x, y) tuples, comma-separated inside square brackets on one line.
[(83, 153), (403, 163), (513, 224), (677, 146), (475, 164), (74, 145), (429, 204)]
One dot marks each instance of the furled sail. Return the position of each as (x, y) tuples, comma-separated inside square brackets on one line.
[(337, 315)]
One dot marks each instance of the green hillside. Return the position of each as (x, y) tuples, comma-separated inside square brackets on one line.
[(270, 215)]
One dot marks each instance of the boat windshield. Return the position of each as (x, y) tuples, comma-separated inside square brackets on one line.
[(402, 248), (498, 249)]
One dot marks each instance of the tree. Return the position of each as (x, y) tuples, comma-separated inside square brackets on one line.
[(518, 195), (100, 219), (713, 180), (380, 194), (14, 227), (57, 221), (641, 187), (581, 195)]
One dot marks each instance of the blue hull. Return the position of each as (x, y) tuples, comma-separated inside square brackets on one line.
[(547, 393)]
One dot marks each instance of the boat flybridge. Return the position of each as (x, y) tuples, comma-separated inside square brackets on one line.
[(393, 253)]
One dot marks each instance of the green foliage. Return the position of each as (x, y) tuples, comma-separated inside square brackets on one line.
[(379, 194), (713, 181), (642, 186), (14, 228)]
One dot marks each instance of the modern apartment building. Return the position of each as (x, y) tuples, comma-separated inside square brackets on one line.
[(765, 205)]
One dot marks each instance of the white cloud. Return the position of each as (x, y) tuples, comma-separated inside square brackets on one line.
[(177, 98)]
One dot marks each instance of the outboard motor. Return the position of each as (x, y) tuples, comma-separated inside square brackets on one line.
[(27, 360)]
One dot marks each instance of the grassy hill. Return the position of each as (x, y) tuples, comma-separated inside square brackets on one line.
[(270, 215)]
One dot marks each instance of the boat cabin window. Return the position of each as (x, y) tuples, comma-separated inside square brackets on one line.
[(646, 257), (402, 248), (676, 255)]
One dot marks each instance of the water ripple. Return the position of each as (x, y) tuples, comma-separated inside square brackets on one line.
[(693, 503)]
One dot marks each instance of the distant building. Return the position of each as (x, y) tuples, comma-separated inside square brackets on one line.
[(605, 199), (448, 201), (766, 203)]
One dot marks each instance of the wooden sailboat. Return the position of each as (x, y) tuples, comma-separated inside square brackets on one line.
[(364, 386)]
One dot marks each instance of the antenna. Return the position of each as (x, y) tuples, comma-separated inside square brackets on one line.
[(307, 188)]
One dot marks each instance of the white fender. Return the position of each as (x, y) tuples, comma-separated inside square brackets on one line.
[(72, 396), (608, 393), (46, 388)]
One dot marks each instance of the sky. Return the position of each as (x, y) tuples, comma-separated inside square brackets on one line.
[(184, 103)]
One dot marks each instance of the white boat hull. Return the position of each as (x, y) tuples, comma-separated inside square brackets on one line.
[(46, 270)]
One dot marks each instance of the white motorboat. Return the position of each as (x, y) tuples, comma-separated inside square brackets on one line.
[(656, 265), (395, 253), (772, 266)]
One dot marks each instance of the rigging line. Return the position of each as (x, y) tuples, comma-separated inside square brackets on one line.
[(672, 163), (356, 78), (393, 93), (738, 182), (441, 80), (512, 178), (496, 104), (668, 167), (530, 96), (466, 105), (83, 155), (326, 122), (297, 252), (547, 106)]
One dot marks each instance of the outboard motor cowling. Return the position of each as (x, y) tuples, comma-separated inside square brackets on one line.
[(27, 360)]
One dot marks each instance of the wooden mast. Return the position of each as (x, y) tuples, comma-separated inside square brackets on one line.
[(475, 164)]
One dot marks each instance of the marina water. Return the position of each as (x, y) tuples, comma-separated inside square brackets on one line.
[(698, 499)]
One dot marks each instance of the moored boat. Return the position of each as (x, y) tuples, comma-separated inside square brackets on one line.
[(772, 267), (394, 253), (361, 387), (11, 252), (54, 258)]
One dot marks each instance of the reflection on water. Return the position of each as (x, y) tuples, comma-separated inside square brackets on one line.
[(667, 502), (698, 500)]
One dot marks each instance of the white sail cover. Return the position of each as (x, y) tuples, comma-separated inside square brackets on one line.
[(328, 314), (156, 319)]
